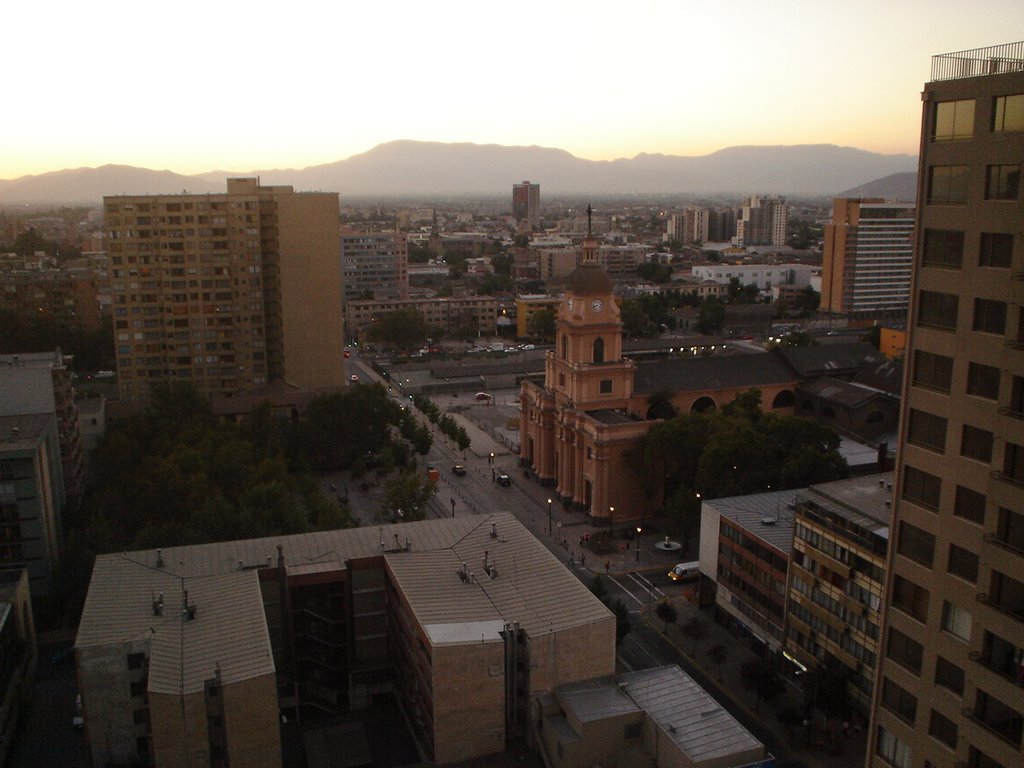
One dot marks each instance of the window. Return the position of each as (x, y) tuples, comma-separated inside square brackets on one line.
[(910, 598), (904, 650), (989, 316), (976, 444), (937, 310), (954, 120), (969, 504), (1010, 529), (1002, 182), (949, 676), (1008, 113), (1013, 463), (963, 563), (136, 660), (599, 350), (943, 248), (917, 544), (947, 184), (933, 371), (633, 730), (927, 430), (996, 250), (892, 750), (978, 759), (900, 702), (956, 621), (921, 487), (1016, 404), (943, 729), (998, 717), (983, 381), (565, 347), (606, 386)]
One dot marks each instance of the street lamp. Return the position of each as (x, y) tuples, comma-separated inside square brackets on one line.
[(549, 517), (453, 506), (611, 521), (638, 530)]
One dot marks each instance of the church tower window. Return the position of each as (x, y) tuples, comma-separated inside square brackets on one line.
[(565, 347), (599, 350)]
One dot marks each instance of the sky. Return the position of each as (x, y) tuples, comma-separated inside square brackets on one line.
[(239, 86)]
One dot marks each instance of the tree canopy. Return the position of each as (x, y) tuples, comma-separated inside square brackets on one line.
[(403, 328)]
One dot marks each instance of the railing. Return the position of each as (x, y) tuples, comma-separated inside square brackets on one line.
[(986, 599), (993, 60), (970, 714), (992, 538)]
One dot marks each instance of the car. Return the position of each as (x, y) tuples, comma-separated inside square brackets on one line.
[(459, 470), (685, 572), (504, 479), (105, 374), (482, 396), (354, 378)]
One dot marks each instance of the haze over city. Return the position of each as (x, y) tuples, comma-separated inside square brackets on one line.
[(235, 87)]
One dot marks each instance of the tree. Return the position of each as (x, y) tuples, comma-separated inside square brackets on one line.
[(541, 324), (667, 612), (696, 629), (711, 317), (599, 589), (760, 677), (406, 497), (656, 273), (719, 654), (403, 329), (635, 322)]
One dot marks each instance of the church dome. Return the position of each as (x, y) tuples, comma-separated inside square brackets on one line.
[(589, 278)]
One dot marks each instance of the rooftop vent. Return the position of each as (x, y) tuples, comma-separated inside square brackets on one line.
[(494, 530), (767, 521), (158, 605), (159, 558)]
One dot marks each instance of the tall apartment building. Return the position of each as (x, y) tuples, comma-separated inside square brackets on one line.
[(526, 204), (227, 291), (867, 257), (949, 687), (375, 263), (689, 225), (762, 221), (40, 382), (721, 225), (69, 296)]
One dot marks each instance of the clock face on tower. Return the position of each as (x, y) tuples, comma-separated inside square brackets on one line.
[(597, 305)]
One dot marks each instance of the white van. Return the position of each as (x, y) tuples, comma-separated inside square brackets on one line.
[(685, 572)]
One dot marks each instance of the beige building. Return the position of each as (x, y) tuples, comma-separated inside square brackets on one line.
[(227, 291), (375, 263), (468, 620), (652, 717), (477, 314), (949, 685), (867, 259)]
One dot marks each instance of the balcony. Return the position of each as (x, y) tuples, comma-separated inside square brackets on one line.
[(978, 62)]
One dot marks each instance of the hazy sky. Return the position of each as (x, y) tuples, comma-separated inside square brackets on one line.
[(227, 85)]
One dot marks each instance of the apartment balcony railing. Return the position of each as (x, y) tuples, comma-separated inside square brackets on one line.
[(1005, 730), (1006, 671), (993, 601), (993, 538), (976, 62)]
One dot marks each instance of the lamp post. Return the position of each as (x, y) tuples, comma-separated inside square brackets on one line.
[(549, 517), (638, 531), (453, 506), (611, 522)]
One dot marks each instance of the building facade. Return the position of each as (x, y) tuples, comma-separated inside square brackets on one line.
[(526, 205), (227, 291), (763, 220), (31, 498), (837, 578), (764, 276), (948, 689), (867, 257), (468, 621), (375, 263), (471, 314), (68, 296)]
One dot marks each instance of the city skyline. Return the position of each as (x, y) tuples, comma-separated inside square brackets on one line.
[(324, 85)]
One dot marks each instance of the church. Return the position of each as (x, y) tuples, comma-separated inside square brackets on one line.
[(577, 428)]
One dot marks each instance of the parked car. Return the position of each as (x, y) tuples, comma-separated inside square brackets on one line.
[(459, 470), (504, 479), (482, 396), (354, 378)]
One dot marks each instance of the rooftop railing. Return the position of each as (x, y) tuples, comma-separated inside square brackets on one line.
[(994, 60)]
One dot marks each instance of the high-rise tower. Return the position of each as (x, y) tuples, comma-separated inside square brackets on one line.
[(526, 204), (949, 686)]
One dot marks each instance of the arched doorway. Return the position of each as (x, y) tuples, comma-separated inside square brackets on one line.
[(703, 405), (785, 399)]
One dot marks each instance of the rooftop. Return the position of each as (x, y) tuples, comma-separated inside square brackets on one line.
[(750, 511), (978, 62), (861, 500), (23, 432)]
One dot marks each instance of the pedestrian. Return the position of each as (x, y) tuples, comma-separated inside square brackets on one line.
[(607, 565), (583, 559)]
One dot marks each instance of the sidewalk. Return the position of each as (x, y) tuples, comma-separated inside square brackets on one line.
[(814, 747)]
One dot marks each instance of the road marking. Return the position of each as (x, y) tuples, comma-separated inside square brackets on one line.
[(646, 586), (647, 653), (620, 586)]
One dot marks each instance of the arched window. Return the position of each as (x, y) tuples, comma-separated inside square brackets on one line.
[(565, 347), (703, 405), (784, 399), (599, 350)]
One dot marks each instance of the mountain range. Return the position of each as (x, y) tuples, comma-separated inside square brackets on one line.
[(433, 169)]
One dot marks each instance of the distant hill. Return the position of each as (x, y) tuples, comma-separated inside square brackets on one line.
[(897, 186), (424, 169)]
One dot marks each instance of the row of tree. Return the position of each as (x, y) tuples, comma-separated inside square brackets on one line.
[(734, 451), (449, 427)]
